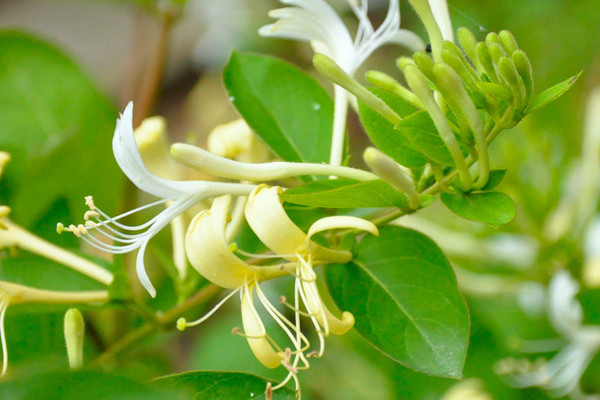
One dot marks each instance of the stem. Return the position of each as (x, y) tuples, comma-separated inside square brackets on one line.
[(128, 342), (153, 75), (34, 244), (340, 115)]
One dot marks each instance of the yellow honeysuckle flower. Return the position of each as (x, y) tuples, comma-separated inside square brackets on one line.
[(14, 293), (211, 255)]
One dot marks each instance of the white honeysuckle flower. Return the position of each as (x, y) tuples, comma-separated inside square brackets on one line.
[(315, 21), (14, 293), (211, 255), (578, 343), (180, 195)]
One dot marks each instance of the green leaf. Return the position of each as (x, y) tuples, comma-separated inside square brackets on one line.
[(402, 292), (496, 176), (287, 108), (590, 304), (493, 208), (56, 124), (421, 132), (551, 94), (77, 385), (346, 193), (212, 385), (383, 134)]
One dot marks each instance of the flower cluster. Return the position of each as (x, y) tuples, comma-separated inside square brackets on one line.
[(211, 255)]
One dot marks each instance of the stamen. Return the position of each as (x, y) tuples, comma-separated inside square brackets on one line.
[(91, 214), (89, 201), (182, 323)]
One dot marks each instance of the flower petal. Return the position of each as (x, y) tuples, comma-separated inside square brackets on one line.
[(208, 252), (256, 333)]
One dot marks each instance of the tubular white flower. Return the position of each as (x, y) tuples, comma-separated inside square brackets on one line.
[(315, 21), (439, 8), (562, 373), (183, 194)]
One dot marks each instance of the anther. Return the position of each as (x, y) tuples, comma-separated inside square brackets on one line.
[(73, 228), (82, 229), (90, 224), (237, 331), (89, 201), (91, 214)]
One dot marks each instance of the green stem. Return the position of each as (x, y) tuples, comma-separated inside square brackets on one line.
[(165, 321)]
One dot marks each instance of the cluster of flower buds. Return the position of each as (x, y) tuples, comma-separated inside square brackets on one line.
[(471, 94)]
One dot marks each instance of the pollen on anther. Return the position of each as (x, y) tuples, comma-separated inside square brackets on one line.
[(89, 201), (82, 229), (236, 331), (90, 224), (282, 299), (91, 214), (73, 228)]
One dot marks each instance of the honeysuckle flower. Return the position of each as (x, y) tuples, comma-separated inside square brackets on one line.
[(469, 389), (211, 255), (236, 140), (315, 21), (562, 373), (181, 194), (14, 293)]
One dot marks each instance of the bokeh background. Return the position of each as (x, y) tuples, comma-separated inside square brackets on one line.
[(114, 42)]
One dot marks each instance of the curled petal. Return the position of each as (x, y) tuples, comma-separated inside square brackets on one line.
[(336, 222), (268, 220), (208, 252), (256, 334)]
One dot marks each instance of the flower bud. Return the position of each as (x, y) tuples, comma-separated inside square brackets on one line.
[(523, 66), (483, 55), (515, 83), (468, 42), (389, 84), (74, 327), (424, 63), (402, 62), (508, 41), (336, 74)]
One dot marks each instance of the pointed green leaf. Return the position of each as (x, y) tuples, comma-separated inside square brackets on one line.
[(346, 193), (76, 385), (403, 294), (286, 107), (210, 385), (383, 134), (422, 134), (551, 94), (493, 208)]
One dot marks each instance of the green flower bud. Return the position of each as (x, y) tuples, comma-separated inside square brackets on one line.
[(425, 63), (455, 58), (483, 55), (508, 41), (496, 90), (492, 37), (402, 62), (389, 170), (525, 71), (468, 42), (336, 74), (514, 81), (420, 87), (74, 327), (389, 84), (496, 52)]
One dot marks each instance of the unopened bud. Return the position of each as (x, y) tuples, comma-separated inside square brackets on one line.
[(514, 81), (74, 327), (509, 42), (454, 58), (468, 42), (495, 90), (402, 62), (389, 84), (483, 55), (389, 170), (336, 74), (424, 63), (525, 71)]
